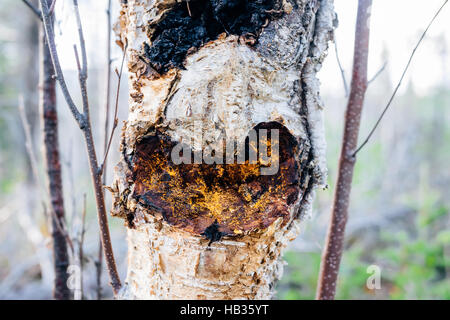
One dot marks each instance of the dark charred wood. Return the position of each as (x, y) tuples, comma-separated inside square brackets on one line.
[(188, 26)]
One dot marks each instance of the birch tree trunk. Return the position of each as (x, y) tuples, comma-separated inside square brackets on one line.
[(203, 73)]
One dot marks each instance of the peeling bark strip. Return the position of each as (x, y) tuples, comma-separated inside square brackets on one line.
[(53, 165), (201, 231)]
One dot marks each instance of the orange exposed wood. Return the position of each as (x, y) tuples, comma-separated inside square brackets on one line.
[(233, 197)]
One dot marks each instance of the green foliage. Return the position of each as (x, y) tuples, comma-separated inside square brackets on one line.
[(414, 264), (299, 282)]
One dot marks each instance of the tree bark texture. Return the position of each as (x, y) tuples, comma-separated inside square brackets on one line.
[(53, 166), (193, 231)]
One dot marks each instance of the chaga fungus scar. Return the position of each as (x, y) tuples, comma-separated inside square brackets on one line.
[(216, 200), (190, 24)]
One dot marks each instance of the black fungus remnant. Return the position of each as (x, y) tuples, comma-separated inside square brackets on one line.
[(190, 24), (212, 233)]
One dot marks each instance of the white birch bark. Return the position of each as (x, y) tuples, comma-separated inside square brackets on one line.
[(230, 87)]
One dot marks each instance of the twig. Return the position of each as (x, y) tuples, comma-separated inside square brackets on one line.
[(95, 172), (399, 82), (52, 7), (80, 246), (99, 262), (189, 8), (377, 73), (98, 267), (33, 159), (332, 252), (83, 121), (116, 108), (83, 70), (108, 87), (33, 8), (50, 35), (28, 143), (344, 81), (68, 162), (77, 57)]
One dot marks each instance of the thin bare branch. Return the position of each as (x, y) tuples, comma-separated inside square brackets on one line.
[(34, 167), (108, 88), (99, 261), (332, 252), (77, 57), (33, 8), (50, 36), (83, 72), (85, 125), (344, 81), (375, 76), (98, 268), (80, 247), (189, 8), (95, 172), (52, 7), (28, 142), (400, 81), (116, 108)]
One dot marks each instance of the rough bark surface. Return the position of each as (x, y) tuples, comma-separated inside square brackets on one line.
[(230, 84)]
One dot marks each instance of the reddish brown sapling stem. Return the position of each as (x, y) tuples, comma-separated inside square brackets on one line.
[(335, 237)]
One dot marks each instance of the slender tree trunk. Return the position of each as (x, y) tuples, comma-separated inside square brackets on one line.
[(200, 71), (334, 243), (99, 262), (53, 165)]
